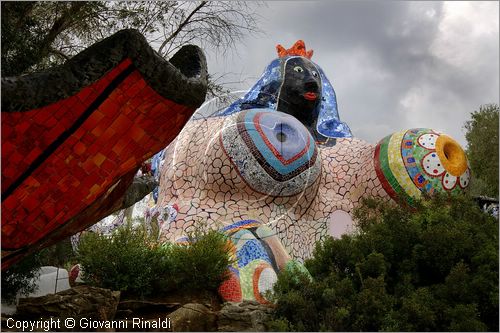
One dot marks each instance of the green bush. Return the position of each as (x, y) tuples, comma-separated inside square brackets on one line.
[(59, 255), (202, 263), (19, 278), (434, 268), (135, 262), (127, 261)]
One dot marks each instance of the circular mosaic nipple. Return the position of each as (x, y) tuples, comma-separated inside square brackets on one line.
[(272, 151)]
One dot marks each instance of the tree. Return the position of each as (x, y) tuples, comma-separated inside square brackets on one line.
[(482, 149), (39, 34), (431, 269), (20, 278)]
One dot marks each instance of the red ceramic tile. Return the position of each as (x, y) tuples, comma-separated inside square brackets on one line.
[(91, 176), (99, 159)]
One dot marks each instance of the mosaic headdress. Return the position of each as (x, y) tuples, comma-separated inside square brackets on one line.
[(298, 49)]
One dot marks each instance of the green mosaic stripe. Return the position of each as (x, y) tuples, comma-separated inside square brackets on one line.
[(293, 265), (246, 278), (384, 165)]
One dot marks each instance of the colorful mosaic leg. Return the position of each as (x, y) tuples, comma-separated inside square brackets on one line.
[(259, 258)]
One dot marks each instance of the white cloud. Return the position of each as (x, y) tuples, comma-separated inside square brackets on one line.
[(466, 29)]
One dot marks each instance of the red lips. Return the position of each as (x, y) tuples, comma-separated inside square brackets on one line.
[(310, 96)]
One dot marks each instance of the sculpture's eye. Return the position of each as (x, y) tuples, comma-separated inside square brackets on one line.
[(315, 74), (272, 151), (298, 69)]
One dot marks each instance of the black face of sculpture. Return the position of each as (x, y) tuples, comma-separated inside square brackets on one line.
[(301, 90)]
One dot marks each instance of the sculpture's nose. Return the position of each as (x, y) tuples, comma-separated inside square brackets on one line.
[(451, 155)]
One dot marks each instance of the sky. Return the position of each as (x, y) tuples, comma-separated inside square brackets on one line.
[(393, 65)]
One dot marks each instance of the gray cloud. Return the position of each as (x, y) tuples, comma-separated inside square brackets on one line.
[(394, 65)]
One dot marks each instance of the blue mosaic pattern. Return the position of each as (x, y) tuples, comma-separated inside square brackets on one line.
[(407, 152), (234, 270), (156, 163), (255, 168), (264, 94), (240, 224), (251, 251), (329, 123), (298, 139), (269, 84)]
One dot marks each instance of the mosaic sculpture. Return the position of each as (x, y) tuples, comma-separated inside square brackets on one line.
[(280, 171), (73, 137)]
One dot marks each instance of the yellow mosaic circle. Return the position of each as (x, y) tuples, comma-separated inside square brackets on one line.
[(451, 155)]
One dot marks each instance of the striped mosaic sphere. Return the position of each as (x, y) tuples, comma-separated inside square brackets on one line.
[(272, 151), (411, 162)]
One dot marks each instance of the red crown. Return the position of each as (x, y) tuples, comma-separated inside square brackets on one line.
[(298, 49)]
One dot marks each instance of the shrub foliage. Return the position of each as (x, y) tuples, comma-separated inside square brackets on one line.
[(434, 268), (135, 262), (20, 278)]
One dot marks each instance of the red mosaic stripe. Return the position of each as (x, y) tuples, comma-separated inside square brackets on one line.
[(255, 282), (262, 160), (25, 135), (230, 289), (131, 125), (277, 154), (380, 174)]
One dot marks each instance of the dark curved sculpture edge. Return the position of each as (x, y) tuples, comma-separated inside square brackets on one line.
[(182, 79)]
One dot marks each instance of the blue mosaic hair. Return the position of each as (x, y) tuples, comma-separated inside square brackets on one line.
[(264, 95)]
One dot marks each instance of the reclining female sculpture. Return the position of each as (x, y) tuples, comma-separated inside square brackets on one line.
[(278, 171)]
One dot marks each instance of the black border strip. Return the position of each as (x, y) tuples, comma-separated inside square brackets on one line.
[(182, 79), (70, 131)]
